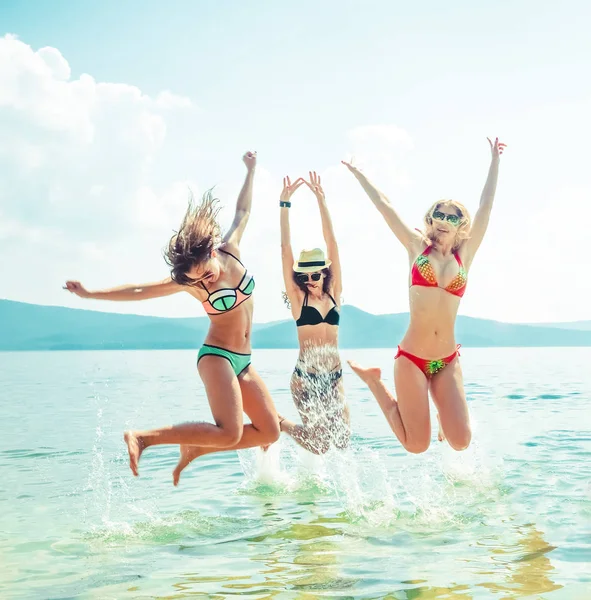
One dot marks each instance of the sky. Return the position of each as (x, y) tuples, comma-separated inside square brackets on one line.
[(111, 112)]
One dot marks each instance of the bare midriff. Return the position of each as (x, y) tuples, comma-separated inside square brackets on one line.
[(433, 312), (232, 330), (315, 337)]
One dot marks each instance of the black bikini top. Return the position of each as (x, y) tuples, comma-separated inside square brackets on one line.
[(311, 315)]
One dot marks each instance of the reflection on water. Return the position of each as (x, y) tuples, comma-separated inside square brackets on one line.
[(527, 562), (313, 569)]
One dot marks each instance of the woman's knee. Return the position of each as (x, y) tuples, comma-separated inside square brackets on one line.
[(270, 432), (229, 436), (417, 445), (459, 439)]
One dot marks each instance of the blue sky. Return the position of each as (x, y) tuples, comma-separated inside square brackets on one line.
[(97, 158)]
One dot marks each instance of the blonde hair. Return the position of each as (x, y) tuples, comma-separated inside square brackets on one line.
[(463, 229), (196, 239)]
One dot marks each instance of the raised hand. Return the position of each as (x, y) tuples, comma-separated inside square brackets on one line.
[(75, 287), (353, 168), (289, 188), (496, 148), (250, 160), (315, 185)]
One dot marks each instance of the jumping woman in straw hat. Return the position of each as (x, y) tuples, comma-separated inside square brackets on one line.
[(313, 291), (427, 358)]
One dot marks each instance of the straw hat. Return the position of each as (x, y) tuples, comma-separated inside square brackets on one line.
[(311, 261)]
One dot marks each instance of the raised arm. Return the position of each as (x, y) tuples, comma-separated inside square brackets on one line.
[(286, 250), (243, 204), (328, 232), (407, 237), (125, 293), (482, 216)]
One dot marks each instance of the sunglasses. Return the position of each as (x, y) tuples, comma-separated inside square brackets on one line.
[(453, 219), (303, 277)]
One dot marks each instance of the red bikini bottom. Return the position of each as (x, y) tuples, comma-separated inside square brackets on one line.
[(428, 367)]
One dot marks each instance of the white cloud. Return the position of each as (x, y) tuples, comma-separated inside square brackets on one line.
[(388, 137), (381, 150), (74, 151), (59, 66), (161, 211), (168, 100)]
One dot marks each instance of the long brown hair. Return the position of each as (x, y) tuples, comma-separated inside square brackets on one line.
[(196, 239)]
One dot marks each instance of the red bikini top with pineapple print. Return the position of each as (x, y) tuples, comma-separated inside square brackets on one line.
[(422, 274)]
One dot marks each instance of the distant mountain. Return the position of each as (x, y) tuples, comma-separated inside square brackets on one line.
[(33, 327), (578, 325)]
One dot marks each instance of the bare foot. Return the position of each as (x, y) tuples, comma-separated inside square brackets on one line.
[(440, 434), (188, 455), (368, 375), (135, 447)]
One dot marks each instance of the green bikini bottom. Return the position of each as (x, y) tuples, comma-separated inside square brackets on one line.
[(239, 362)]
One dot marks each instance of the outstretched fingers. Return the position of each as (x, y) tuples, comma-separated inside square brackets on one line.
[(496, 146)]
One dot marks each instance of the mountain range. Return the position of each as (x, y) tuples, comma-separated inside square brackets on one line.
[(36, 327)]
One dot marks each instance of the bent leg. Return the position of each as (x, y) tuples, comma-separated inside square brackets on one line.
[(263, 429), (341, 423), (409, 416), (225, 401), (311, 438), (313, 435), (447, 391)]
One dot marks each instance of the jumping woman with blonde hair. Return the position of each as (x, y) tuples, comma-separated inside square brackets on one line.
[(208, 268), (427, 358)]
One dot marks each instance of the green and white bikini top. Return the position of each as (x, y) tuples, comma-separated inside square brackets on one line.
[(225, 299)]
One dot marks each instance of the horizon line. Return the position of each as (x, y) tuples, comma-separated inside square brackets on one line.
[(539, 323)]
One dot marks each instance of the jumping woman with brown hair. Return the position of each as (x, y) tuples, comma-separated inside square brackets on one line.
[(313, 291), (208, 267)]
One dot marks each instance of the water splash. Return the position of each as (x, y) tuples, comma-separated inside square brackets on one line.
[(442, 490), (109, 502), (319, 397)]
